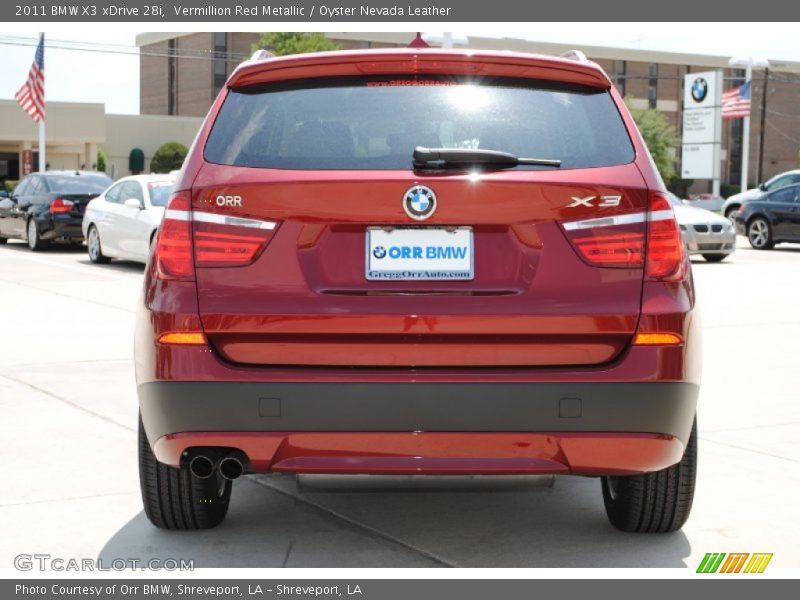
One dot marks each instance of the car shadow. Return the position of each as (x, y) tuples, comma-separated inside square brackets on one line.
[(362, 521), (127, 266)]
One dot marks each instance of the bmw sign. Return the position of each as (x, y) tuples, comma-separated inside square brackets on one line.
[(699, 89), (419, 202)]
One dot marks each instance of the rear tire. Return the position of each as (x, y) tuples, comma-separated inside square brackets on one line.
[(759, 234), (94, 247), (3, 241), (176, 499), (35, 243), (715, 257), (657, 502)]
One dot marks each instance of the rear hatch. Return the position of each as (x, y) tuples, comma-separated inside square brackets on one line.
[(317, 242)]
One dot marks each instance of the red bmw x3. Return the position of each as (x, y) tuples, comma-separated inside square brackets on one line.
[(418, 262)]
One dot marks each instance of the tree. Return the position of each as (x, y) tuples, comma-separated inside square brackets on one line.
[(661, 139), (101, 160), (168, 157), (294, 42)]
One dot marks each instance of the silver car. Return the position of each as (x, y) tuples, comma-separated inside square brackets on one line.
[(704, 232)]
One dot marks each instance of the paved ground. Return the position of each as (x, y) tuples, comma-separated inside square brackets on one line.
[(71, 489)]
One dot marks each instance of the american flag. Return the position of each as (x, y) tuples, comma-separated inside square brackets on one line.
[(736, 102), (31, 95)]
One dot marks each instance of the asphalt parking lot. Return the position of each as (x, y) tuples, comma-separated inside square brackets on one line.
[(69, 414)]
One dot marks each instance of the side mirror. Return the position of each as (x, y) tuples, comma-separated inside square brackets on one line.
[(133, 203), (762, 187)]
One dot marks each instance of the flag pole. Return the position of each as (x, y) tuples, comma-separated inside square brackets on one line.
[(42, 152), (746, 131)]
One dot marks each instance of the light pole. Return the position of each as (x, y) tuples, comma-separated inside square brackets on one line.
[(748, 62)]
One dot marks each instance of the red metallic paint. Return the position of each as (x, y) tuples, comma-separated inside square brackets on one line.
[(318, 293), (437, 453)]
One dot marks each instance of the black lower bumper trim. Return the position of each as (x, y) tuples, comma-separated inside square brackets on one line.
[(662, 407)]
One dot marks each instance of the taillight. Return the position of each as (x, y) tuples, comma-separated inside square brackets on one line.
[(173, 253), (665, 251), (632, 240), (609, 241), (190, 238), (222, 241), (59, 205)]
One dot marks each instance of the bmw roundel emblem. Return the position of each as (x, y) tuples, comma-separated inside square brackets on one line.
[(699, 89), (379, 252), (419, 202)]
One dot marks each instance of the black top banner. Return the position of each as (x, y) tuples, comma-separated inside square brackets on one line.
[(408, 11)]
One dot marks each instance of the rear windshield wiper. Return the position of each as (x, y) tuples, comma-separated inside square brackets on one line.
[(448, 158)]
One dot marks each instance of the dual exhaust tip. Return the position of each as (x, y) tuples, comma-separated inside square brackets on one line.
[(203, 466)]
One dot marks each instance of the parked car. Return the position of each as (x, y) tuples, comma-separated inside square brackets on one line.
[(122, 221), (48, 207), (407, 269), (704, 232), (772, 219), (733, 203)]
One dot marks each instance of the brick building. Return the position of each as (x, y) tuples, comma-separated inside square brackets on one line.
[(181, 73)]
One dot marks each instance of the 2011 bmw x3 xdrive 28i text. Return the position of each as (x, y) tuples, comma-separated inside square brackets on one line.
[(418, 262)]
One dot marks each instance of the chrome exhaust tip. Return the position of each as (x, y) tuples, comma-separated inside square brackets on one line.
[(201, 467), (231, 468)]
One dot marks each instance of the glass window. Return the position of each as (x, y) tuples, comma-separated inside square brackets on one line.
[(652, 85), (159, 192), (620, 73), (35, 187), (779, 182), (112, 195), (784, 196), (131, 190), (79, 184), (220, 60), (22, 187), (376, 122)]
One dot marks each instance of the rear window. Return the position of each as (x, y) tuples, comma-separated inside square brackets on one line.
[(375, 123), (78, 184), (159, 192)]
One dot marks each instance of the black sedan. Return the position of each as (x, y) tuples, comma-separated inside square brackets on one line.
[(47, 207), (772, 219)]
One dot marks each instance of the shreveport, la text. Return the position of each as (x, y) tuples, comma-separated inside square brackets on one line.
[(321, 10), (168, 589), (47, 562)]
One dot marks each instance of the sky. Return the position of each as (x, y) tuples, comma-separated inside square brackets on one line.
[(112, 78)]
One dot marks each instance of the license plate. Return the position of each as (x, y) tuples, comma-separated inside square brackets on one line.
[(420, 253)]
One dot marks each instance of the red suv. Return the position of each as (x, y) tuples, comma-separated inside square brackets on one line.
[(418, 262)]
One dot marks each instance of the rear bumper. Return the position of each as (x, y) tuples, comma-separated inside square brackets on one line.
[(59, 227), (581, 428)]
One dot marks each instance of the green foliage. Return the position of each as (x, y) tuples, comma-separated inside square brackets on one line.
[(294, 42), (102, 159), (661, 139), (168, 157), (11, 184)]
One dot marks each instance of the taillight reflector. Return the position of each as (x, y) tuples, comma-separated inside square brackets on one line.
[(657, 339), (183, 338)]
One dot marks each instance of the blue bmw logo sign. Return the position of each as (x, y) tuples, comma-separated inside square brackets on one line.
[(379, 252), (419, 202), (699, 89)]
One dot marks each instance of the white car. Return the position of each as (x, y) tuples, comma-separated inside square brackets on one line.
[(704, 232), (121, 222)]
